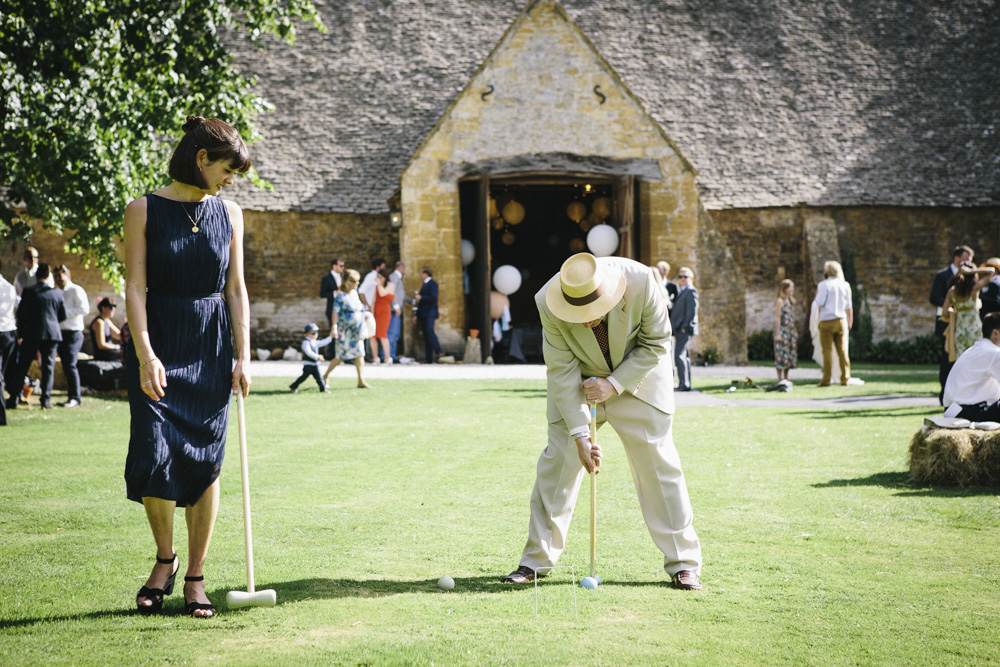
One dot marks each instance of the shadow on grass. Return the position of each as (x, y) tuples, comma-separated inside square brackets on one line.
[(918, 412), (530, 393), (322, 589), (901, 481)]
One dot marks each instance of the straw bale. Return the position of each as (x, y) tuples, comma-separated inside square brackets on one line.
[(955, 457)]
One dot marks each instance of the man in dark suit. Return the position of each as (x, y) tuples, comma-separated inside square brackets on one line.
[(38, 317), (939, 290), (427, 313), (328, 288), (684, 322), (329, 285)]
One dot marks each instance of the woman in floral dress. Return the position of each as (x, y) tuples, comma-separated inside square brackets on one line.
[(786, 336), (348, 317)]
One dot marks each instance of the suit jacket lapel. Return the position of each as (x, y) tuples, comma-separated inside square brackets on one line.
[(588, 341)]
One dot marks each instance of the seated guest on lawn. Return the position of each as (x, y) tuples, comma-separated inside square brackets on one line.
[(606, 341), (973, 388), (311, 355), (104, 333)]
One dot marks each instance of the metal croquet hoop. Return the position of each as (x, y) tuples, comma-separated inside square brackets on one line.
[(572, 573)]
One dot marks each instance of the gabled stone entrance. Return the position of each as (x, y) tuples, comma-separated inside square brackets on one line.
[(545, 99)]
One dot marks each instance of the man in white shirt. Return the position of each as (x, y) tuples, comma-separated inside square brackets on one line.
[(8, 333), (398, 300), (833, 299), (26, 276), (77, 307), (367, 293), (973, 388)]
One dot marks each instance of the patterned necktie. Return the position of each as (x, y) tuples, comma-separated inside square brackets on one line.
[(601, 333)]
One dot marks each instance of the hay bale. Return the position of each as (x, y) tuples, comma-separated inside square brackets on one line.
[(955, 457)]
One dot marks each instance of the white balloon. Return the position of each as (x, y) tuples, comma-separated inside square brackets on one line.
[(468, 252), (507, 279), (602, 240)]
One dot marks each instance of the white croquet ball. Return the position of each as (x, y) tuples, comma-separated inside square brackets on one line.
[(602, 240), (590, 583), (446, 583)]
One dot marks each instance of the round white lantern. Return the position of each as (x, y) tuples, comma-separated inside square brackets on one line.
[(468, 252), (506, 279), (602, 240)]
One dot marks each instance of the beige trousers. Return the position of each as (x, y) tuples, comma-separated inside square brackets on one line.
[(833, 335), (656, 471)]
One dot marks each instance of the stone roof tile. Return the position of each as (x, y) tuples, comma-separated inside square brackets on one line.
[(835, 103)]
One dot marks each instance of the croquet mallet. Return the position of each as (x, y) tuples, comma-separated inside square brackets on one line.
[(251, 597)]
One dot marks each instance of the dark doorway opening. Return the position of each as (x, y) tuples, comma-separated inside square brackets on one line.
[(548, 222)]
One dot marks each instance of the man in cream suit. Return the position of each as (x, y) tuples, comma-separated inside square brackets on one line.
[(606, 339)]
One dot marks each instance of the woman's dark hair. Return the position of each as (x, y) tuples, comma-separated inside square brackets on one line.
[(387, 274), (964, 282), (220, 139)]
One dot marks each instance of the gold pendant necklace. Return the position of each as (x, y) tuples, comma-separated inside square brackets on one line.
[(198, 214)]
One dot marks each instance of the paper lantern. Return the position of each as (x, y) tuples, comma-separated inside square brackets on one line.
[(506, 279), (602, 207), (577, 245), (513, 212), (508, 238), (468, 252), (494, 213), (497, 223), (602, 240), (576, 210), (585, 225)]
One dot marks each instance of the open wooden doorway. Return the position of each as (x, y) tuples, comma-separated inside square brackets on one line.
[(549, 221)]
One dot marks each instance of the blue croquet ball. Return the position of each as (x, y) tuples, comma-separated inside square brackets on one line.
[(590, 583)]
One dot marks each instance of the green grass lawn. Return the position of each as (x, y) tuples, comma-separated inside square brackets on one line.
[(817, 549)]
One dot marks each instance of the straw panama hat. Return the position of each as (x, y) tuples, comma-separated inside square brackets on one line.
[(586, 290)]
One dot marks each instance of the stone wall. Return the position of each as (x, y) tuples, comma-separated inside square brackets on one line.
[(287, 253), (896, 251)]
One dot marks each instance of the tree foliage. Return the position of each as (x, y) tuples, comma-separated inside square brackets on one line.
[(94, 93)]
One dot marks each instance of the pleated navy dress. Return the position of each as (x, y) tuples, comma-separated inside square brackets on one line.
[(177, 444)]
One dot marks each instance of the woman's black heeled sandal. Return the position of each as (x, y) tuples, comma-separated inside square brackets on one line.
[(192, 607), (156, 594)]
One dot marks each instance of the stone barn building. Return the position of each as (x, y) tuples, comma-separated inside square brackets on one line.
[(749, 142)]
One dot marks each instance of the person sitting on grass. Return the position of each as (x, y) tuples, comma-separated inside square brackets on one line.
[(310, 352), (973, 388)]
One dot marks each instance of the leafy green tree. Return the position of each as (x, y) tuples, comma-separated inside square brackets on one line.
[(94, 93)]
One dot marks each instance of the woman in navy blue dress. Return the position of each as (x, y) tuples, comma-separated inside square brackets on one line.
[(187, 310)]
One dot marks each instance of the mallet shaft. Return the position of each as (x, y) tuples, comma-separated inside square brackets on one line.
[(593, 496), (245, 473)]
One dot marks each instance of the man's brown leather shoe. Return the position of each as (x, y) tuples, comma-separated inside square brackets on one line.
[(522, 575), (687, 580)]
